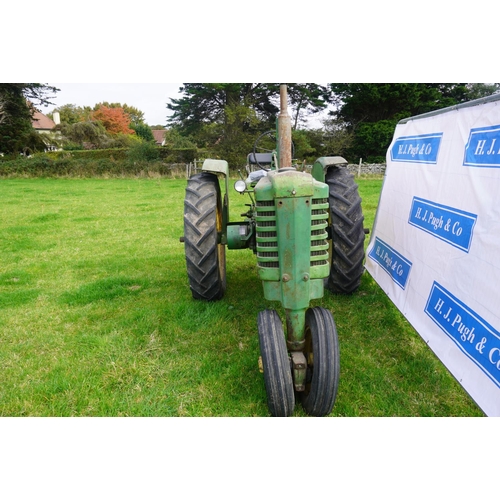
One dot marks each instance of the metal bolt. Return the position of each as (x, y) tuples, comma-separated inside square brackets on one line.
[(285, 278)]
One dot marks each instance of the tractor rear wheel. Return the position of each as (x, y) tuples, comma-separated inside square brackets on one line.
[(323, 362), (347, 232), (276, 364), (205, 256)]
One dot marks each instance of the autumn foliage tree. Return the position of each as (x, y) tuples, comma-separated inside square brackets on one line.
[(114, 120)]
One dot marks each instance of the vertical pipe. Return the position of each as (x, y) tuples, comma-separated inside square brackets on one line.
[(284, 130), (295, 329)]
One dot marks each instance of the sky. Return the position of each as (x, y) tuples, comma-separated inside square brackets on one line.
[(150, 98)]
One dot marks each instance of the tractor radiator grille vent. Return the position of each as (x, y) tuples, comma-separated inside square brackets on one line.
[(319, 223), (267, 240)]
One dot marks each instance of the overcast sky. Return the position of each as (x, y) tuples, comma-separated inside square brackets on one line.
[(150, 98)]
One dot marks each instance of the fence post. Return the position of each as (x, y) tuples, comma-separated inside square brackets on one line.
[(359, 168)]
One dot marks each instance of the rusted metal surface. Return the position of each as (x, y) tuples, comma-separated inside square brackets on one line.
[(284, 130)]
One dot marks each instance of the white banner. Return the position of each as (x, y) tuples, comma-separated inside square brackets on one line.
[(435, 246)]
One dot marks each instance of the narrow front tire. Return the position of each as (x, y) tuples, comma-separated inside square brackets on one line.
[(276, 364), (323, 362)]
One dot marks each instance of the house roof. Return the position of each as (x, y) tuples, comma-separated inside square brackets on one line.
[(42, 122), (159, 135)]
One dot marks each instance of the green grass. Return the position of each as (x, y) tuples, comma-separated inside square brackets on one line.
[(96, 316)]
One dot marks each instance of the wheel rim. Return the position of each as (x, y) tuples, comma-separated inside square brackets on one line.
[(323, 362), (221, 249)]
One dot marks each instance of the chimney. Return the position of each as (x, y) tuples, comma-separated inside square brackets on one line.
[(57, 117)]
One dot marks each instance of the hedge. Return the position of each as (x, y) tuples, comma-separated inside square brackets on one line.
[(67, 167), (169, 155), (98, 162)]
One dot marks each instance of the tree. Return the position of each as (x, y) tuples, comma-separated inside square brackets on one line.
[(229, 116), (306, 98), (85, 134), (143, 131), (204, 103), (478, 90), (70, 113), (114, 120), (136, 115), (3, 114), (174, 139), (18, 104), (337, 138), (372, 110), (208, 102)]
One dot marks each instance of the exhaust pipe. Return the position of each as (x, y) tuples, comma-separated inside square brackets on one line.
[(284, 130)]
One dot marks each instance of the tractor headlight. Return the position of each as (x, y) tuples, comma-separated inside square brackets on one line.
[(240, 186)]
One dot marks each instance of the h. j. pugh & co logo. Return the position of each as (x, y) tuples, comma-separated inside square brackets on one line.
[(483, 147), (417, 148)]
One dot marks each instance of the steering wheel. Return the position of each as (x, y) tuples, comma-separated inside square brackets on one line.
[(266, 143)]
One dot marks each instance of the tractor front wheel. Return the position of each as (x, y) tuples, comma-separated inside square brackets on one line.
[(205, 256), (276, 364), (323, 362), (347, 232)]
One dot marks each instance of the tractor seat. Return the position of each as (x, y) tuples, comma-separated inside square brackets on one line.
[(262, 158)]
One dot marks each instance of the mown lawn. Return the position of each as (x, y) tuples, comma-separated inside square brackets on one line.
[(96, 316)]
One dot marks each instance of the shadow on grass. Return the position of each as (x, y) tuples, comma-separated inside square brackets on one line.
[(104, 289)]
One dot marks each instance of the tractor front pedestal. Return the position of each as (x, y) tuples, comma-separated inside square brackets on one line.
[(311, 373)]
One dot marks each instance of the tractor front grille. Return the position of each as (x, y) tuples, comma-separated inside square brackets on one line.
[(267, 239)]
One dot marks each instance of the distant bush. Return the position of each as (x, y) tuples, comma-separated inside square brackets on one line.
[(142, 158), (89, 154), (91, 164), (43, 166), (143, 151), (178, 155), (138, 152)]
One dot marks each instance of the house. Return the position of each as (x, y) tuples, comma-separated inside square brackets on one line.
[(159, 136), (44, 125)]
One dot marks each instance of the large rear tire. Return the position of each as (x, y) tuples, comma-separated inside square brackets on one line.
[(276, 364), (205, 256), (323, 362), (347, 232)]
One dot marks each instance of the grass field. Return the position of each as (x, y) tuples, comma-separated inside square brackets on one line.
[(96, 316)]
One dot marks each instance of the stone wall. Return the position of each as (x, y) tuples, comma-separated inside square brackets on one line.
[(367, 168)]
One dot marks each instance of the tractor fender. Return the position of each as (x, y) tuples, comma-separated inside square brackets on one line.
[(321, 165), (218, 167)]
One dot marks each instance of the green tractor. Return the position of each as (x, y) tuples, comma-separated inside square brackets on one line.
[(307, 233)]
